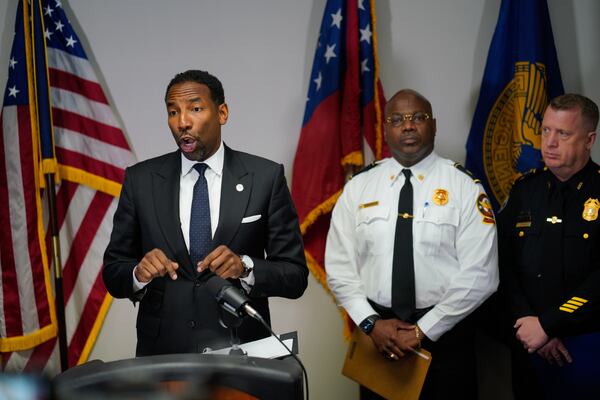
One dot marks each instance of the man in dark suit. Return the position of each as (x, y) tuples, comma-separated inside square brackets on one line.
[(179, 223)]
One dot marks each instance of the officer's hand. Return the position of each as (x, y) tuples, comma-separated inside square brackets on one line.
[(155, 263), (555, 352), (385, 337), (223, 262), (407, 339), (530, 333)]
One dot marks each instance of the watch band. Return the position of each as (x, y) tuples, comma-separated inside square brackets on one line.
[(368, 323), (247, 268)]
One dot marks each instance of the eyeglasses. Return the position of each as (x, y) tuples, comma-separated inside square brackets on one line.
[(398, 119)]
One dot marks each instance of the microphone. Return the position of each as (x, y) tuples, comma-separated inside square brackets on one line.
[(231, 298)]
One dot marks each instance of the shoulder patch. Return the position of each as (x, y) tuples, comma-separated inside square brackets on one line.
[(365, 169), (526, 175), (462, 169)]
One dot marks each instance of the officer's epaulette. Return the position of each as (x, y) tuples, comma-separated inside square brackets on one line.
[(365, 169), (462, 169), (528, 174)]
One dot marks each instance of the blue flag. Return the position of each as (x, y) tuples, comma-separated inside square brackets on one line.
[(521, 76)]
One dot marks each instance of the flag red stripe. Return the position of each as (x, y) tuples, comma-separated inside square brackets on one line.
[(83, 240), (91, 165), (11, 303), (39, 356), (88, 318), (317, 173), (73, 83), (89, 127)]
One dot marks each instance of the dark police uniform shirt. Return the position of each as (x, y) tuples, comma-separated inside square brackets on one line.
[(550, 250)]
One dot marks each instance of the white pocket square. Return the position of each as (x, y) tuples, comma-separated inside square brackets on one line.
[(251, 218)]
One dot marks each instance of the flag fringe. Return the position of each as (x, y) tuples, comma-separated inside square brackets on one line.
[(91, 340), (319, 210), (26, 342), (88, 179), (354, 158), (378, 133)]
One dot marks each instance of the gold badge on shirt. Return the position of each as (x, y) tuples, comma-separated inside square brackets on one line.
[(484, 206), (440, 197), (590, 209)]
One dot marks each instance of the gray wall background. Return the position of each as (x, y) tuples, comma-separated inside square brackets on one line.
[(262, 50)]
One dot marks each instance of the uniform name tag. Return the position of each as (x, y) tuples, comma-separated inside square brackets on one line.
[(367, 205)]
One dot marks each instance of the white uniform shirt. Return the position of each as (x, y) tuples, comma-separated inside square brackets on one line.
[(454, 242)]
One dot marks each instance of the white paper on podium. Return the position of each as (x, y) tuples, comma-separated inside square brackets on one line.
[(268, 347)]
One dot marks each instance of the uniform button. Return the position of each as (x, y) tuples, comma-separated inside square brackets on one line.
[(521, 234), (539, 275), (191, 323), (197, 284), (585, 236)]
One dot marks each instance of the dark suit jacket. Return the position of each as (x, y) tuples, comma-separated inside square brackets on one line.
[(177, 316)]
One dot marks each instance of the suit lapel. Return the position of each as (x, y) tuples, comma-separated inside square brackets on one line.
[(165, 190), (235, 193)]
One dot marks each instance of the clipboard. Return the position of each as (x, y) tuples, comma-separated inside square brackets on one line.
[(395, 380)]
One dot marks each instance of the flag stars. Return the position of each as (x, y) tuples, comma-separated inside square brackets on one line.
[(58, 4), (47, 33), (12, 91), (365, 34), (337, 19), (48, 11), (58, 26), (318, 81), (12, 63), (71, 41), (361, 6), (329, 53), (363, 66)]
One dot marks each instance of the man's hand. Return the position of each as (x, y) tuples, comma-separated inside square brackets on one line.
[(155, 263), (555, 352), (385, 336), (223, 262), (530, 333)]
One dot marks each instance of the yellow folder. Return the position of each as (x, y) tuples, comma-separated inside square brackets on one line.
[(395, 380)]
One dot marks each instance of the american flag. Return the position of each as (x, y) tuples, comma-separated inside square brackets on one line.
[(80, 140), (342, 120)]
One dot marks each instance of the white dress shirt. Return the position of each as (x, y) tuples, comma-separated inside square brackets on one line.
[(187, 180), (454, 243)]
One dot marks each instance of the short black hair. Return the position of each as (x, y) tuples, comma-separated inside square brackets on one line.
[(202, 77), (570, 101)]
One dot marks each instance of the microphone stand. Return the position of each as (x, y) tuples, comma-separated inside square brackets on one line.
[(234, 339)]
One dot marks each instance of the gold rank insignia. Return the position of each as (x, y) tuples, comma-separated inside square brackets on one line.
[(485, 208), (573, 304), (590, 209), (440, 197)]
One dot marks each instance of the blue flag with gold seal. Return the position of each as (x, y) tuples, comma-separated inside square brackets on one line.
[(521, 75)]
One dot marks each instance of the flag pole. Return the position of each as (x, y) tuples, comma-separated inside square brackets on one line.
[(43, 121), (58, 280)]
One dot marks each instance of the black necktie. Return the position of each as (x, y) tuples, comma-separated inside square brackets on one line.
[(403, 272), (200, 231)]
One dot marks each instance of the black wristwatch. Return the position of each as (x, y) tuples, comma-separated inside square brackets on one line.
[(368, 323)]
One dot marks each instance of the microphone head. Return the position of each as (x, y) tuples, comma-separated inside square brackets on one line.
[(227, 296)]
